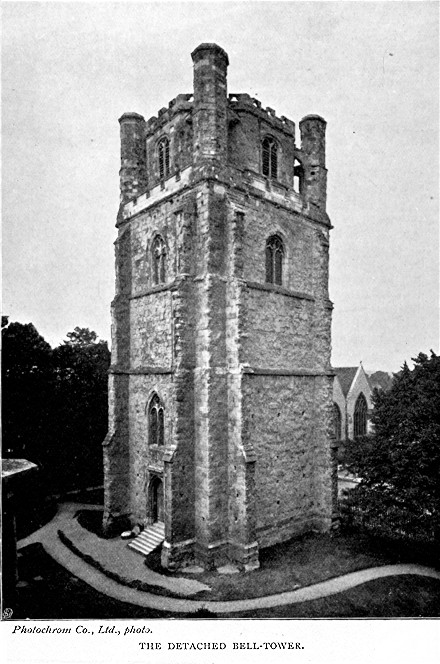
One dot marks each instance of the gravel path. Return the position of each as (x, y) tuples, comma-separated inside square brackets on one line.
[(63, 520)]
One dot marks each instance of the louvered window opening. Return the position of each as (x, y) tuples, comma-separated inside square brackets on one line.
[(298, 177), (159, 256), (156, 422), (164, 158), (360, 417), (274, 260), (270, 158)]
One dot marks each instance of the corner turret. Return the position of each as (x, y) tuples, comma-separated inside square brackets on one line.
[(132, 176), (210, 109), (312, 130)]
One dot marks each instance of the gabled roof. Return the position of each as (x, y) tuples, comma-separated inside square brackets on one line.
[(346, 377)]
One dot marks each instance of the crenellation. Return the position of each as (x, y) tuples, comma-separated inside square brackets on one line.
[(151, 124), (244, 102)]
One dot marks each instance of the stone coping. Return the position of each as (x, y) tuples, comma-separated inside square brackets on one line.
[(13, 469)]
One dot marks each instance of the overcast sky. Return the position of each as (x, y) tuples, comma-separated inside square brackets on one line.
[(370, 69)]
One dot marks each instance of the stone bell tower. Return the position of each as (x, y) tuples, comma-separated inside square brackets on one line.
[(220, 407)]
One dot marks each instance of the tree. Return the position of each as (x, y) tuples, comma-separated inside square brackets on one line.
[(399, 465), (81, 336), (381, 380), (26, 381), (80, 404), (55, 404)]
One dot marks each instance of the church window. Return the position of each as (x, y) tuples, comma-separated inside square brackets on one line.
[(270, 157), (155, 422), (274, 260), (298, 177), (158, 257), (337, 420), (360, 416), (164, 158)]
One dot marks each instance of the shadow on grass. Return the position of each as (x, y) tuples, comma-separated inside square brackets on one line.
[(299, 562), (48, 591), (34, 516), (392, 597), (90, 496), (304, 561)]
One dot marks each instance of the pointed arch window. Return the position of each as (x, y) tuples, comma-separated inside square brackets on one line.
[(360, 417), (337, 421), (159, 258), (164, 158), (274, 260), (298, 177), (270, 157), (156, 429)]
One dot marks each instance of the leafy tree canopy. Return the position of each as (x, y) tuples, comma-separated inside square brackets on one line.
[(23, 350), (26, 379), (381, 379), (399, 465), (55, 404), (81, 336)]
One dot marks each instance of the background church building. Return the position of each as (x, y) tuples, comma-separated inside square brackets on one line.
[(352, 403), (221, 408)]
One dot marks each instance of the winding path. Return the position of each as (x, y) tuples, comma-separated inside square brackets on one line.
[(58, 551)]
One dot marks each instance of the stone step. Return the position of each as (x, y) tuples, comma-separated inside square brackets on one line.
[(148, 539)]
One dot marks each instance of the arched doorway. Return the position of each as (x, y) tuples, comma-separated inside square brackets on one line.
[(155, 495)]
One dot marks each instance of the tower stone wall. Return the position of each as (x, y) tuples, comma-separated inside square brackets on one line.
[(221, 316)]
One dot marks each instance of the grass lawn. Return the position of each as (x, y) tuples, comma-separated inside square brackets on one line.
[(53, 593), (302, 561), (392, 597), (93, 496)]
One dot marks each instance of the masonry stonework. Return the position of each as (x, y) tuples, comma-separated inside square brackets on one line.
[(231, 340)]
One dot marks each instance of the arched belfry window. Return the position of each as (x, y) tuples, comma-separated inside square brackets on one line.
[(360, 417), (270, 157), (155, 422), (298, 176), (274, 260), (164, 158), (158, 258), (337, 421)]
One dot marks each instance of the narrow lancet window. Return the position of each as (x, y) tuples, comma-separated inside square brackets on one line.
[(164, 158), (156, 433), (270, 157), (274, 260), (159, 258), (360, 417), (298, 177)]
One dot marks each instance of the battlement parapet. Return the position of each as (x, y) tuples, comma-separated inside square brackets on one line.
[(181, 103), (243, 101)]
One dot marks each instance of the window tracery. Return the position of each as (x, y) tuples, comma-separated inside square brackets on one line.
[(274, 260)]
